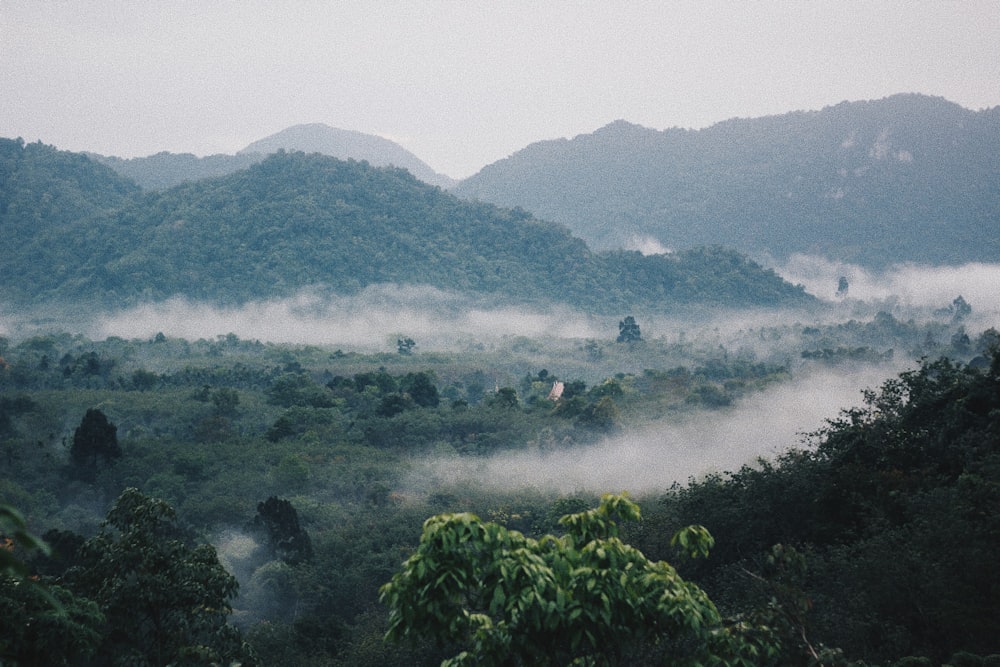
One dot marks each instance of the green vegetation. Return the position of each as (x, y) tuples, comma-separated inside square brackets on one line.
[(294, 222), (299, 472), (583, 598)]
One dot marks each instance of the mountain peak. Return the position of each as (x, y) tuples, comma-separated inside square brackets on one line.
[(348, 144)]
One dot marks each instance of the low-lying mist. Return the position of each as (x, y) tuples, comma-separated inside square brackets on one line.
[(912, 288), (372, 320), (650, 460)]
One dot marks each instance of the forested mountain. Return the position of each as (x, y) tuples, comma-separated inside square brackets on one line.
[(348, 144), (906, 178), (165, 170), (54, 207), (297, 220)]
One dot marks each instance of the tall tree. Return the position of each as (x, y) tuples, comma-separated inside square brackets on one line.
[(277, 523), (95, 438), (166, 600), (628, 331)]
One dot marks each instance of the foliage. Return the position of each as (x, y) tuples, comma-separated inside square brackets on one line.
[(884, 527), (583, 598), (894, 508), (296, 221), (95, 438), (278, 523), (46, 624), (628, 331), (165, 601), (14, 533)]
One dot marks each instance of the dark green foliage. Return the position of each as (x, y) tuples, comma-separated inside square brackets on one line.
[(46, 624), (895, 510), (896, 541), (965, 659), (421, 388), (94, 439), (165, 600), (277, 523), (298, 389), (628, 331)]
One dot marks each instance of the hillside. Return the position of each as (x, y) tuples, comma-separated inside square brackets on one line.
[(348, 144), (295, 221), (165, 170), (907, 178)]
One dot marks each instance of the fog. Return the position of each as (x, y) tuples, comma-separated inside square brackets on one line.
[(371, 320), (375, 317), (650, 460), (912, 288)]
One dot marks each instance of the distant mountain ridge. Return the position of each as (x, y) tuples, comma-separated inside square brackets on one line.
[(348, 144), (165, 170), (79, 233), (906, 178)]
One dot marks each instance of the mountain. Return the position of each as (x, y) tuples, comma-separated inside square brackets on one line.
[(165, 170), (906, 178), (348, 144), (53, 208), (297, 221)]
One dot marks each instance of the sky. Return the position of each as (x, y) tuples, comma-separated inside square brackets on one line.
[(462, 84)]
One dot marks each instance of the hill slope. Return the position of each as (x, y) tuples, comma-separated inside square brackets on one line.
[(296, 221), (348, 144), (907, 178), (165, 170)]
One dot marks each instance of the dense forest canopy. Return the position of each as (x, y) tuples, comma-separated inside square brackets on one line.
[(298, 221), (906, 178), (293, 472)]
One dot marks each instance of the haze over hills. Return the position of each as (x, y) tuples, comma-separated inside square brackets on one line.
[(164, 170), (348, 144), (296, 221), (906, 178)]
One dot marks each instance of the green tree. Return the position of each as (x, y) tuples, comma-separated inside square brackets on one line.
[(95, 438), (500, 598), (166, 601), (405, 345), (628, 331), (46, 624), (421, 388), (277, 523)]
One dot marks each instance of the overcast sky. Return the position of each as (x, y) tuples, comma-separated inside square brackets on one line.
[(463, 84)]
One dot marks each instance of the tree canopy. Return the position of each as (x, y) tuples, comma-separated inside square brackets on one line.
[(586, 597)]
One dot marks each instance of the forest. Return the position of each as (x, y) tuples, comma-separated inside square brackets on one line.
[(908, 178), (315, 412), (231, 501), (89, 238)]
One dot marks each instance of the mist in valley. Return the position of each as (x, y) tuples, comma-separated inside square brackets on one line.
[(650, 460), (667, 448), (911, 290)]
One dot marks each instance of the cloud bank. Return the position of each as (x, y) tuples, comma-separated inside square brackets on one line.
[(370, 320)]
